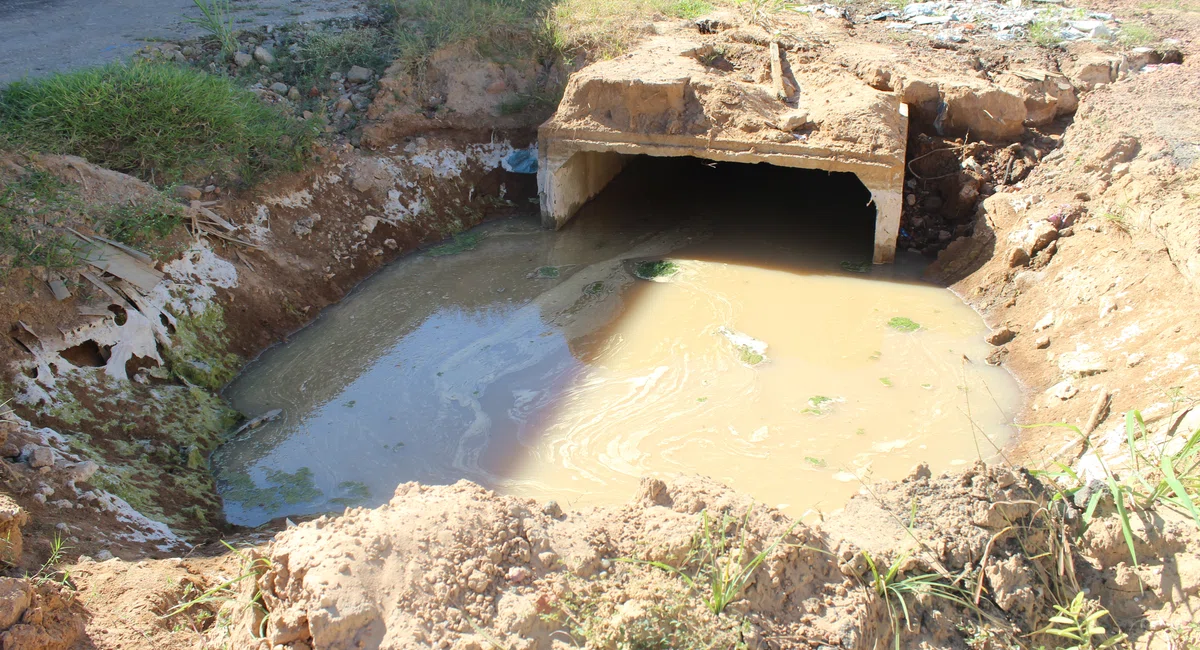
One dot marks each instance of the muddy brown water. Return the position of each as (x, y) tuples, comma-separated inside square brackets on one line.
[(538, 363)]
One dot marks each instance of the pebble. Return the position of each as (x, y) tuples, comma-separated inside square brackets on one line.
[(188, 193), (1134, 359), (241, 59), (279, 88), (359, 74), (263, 56), (1001, 336), (41, 457), (1043, 343), (294, 94)]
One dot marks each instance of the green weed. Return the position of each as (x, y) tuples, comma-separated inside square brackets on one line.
[(722, 568), (327, 50), (819, 405), (160, 122), (1079, 623), (895, 591), (749, 356), (1136, 35), (142, 225), (217, 19)]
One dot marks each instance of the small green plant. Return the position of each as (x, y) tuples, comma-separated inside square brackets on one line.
[(856, 267), (142, 225), (815, 462), (656, 269), (903, 324), (205, 602), (217, 19), (1045, 31), (895, 591), (723, 568), (1079, 623)]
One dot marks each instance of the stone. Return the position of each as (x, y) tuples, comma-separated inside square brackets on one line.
[(1042, 343), (1035, 237), (358, 74), (41, 457), (104, 555), (1001, 336), (15, 595), (1017, 257), (1081, 363), (1063, 390), (793, 120), (518, 574), (279, 88), (188, 193), (497, 87), (343, 105), (242, 60), (263, 56), (368, 224), (293, 94), (1046, 322), (1134, 359), (81, 472)]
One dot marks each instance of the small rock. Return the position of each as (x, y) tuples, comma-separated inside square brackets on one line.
[(910, 199), (294, 94), (552, 509), (1063, 390), (1046, 322), (103, 555), (793, 120), (15, 595), (368, 224), (242, 60), (1001, 336), (41, 457), (391, 243), (279, 88), (497, 87), (40, 498), (1017, 257), (1134, 359), (921, 471), (343, 105), (1081, 363), (518, 574), (549, 559), (358, 74), (1042, 343), (263, 56), (478, 582), (188, 193), (335, 76), (81, 472)]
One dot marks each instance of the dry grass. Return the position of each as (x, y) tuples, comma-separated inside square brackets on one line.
[(608, 27)]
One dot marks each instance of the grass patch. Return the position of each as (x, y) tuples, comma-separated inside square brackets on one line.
[(327, 50), (1045, 32), (142, 225), (160, 122), (495, 28), (656, 269), (461, 243), (217, 19), (30, 209), (607, 28), (903, 324), (1137, 35)]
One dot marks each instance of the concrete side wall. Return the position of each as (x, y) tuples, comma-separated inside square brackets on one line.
[(571, 180)]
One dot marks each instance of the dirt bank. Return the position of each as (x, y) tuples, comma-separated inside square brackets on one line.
[(1056, 186)]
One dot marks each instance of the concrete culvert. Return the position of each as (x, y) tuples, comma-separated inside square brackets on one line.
[(665, 102)]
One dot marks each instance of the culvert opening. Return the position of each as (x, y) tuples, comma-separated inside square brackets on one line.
[(757, 345), (781, 215)]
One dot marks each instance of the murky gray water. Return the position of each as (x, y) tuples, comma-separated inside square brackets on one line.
[(536, 363)]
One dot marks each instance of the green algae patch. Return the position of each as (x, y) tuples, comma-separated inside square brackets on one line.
[(656, 269), (283, 488), (903, 324), (819, 405), (547, 272), (461, 243), (197, 352), (856, 267), (594, 289), (151, 442), (749, 356), (352, 493)]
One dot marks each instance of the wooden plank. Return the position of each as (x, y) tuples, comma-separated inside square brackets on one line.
[(782, 89)]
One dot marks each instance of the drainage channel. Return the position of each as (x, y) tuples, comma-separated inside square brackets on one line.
[(695, 317)]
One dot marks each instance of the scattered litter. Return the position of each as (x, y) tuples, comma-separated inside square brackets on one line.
[(521, 161)]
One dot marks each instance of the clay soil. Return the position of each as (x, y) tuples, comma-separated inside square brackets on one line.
[(1098, 310)]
